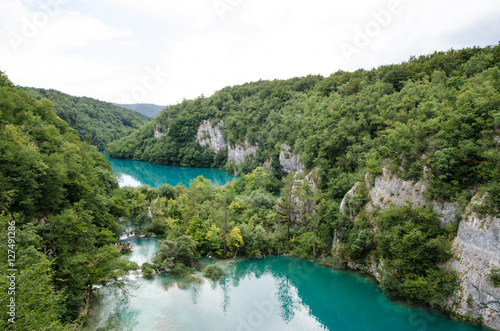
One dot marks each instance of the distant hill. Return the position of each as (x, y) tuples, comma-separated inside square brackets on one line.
[(96, 121), (147, 109)]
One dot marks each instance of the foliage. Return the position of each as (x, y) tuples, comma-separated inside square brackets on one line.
[(411, 244), (180, 270), (173, 253), (96, 122), (147, 270), (495, 277), (60, 193), (38, 305), (213, 271)]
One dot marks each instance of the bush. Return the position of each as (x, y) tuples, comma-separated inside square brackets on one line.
[(180, 270), (390, 285), (213, 272), (147, 270)]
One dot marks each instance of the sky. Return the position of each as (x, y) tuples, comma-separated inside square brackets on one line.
[(164, 51)]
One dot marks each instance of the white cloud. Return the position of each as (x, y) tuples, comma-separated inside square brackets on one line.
[(103, 49)]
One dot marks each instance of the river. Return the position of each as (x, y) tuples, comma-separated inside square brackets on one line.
[(272, 293)]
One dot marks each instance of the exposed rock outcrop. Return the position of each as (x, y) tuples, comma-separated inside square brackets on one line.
[(157, 133), (476, 251), (289, 162), (389, 190), (211, 136), (312, 179), (238, 154)]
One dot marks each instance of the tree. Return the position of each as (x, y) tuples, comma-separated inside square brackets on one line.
[(234, 239), (286, 204), (224, 201), (308, 210)]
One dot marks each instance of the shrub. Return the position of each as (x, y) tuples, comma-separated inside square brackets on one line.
[(495, 277), (180, 270), (213, 272), (147, 270)]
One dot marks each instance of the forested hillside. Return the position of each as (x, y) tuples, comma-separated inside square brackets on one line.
[(431, 123), (57, 215), (443, 106), (146, 109), (96, 122)]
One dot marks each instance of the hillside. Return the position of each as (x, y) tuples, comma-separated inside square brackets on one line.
[(96, 122), (146, 109), (443, 106), (393, 171), (57, 214)]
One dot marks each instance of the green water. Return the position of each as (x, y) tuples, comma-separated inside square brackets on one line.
[(137, 173), (273, 293)]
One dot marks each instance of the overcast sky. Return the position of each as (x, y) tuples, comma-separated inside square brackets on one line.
[(163, 51)]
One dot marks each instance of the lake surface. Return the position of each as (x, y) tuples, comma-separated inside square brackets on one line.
[(273, 293), (137, 173)]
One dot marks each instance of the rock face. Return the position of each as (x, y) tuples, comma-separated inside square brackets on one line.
[(211, 136), (312, 179), (389, 190), (476, 251), (238, 154), (157, 133), (350, 193), (289, 162)]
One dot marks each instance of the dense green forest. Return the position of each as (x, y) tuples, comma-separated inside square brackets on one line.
[(435, 117), (443, 106), (147, 109), (96, 122), (57, 212)]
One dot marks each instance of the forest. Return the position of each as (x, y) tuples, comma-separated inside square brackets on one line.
[(58, 215), (435, 117), (443, 106), (96, 122)]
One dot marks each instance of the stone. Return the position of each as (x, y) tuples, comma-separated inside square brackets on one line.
[(211, 136), (289, 162), (476, 251), (157, 133), (238, 154)]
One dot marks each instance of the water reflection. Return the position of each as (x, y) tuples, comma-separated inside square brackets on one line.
[(274, 293)]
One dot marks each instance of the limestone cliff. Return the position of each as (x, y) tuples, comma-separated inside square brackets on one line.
[(289, 162), (157, 133), (312, 179), (238, 154), (211, 136), (388, 190), (476, 251)]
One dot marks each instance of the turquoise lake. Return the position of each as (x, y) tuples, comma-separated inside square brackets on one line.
[(272, 293), (137, 173)]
